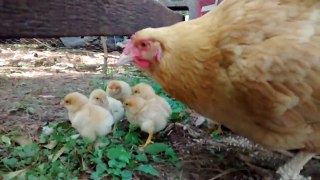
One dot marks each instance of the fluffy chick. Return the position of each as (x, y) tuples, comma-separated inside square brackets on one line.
[(146, 92), (119, 90), (148, 115), (99, 97), (88, 119)]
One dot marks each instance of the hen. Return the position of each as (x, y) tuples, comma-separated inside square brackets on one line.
[(146, 92), (148, 115), (119, 90), (88, 119), (99, 97), (252, 65)]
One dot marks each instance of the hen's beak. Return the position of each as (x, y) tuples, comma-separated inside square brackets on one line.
[(124, 59)]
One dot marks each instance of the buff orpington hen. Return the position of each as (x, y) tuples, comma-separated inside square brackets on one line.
[(252, 65)]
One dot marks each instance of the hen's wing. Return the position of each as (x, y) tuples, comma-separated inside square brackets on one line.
[(273, 62)]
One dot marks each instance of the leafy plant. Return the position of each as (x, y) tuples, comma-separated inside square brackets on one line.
[(65, 154)]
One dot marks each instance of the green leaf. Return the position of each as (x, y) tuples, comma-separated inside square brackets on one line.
[(95, 176), (119, 133), (114, 171), (101, 168), (43, 138), (147, 169), (133, 127), (131, 137), (215, 135), (135, 81), (156, 148), (175, 115), (10, 161), (116, 164), (104, 141), (29, 151), (6, 140), (30, 110), (63, 125), (220, 156), (155, 158), (157, 88), (113, 153), (97, 152), (142, 158), (126, 175), (112, 163), (124, 156), (119, 153), (32, 177)]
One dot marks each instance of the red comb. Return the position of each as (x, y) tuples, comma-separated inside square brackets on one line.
[(129, 45)]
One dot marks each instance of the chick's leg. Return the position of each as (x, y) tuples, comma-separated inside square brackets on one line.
[(291, 170), (114, 129), (149, 141)]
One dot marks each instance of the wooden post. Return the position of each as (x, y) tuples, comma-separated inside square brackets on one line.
[(105, 54)]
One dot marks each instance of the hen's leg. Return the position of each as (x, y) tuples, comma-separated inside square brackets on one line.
[(291, 170), (149, 141)]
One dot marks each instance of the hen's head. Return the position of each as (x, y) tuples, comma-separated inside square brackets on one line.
[(98, 97), (74, 101), (142, 49), (143, 90), (133, 104)]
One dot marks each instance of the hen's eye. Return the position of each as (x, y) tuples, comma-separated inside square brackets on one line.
[(143, 44)]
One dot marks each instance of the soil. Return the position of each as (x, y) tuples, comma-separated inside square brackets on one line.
[(33, 82)]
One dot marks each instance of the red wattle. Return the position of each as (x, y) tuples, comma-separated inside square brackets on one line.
[(142, 63)]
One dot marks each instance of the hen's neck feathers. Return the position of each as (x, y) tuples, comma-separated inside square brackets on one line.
[(187, 58)]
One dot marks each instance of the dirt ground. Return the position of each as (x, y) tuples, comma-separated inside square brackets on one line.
[(33, 82)]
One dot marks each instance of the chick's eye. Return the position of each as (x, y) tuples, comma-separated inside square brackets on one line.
[(97, 98), (136, 92), (67, 102)]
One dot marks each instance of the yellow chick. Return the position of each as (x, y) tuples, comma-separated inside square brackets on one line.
[(88, 119), (148, 115), (99, 97), (146, 92), (119, 90)]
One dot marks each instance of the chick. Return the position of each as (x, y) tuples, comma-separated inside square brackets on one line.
[(119, 90), (146, 92), (148, 115), (88, 119), (99, 97)]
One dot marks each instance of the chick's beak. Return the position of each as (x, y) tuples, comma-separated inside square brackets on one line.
[(124, 59), (62, 103)]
